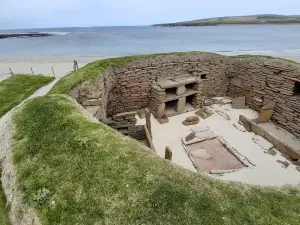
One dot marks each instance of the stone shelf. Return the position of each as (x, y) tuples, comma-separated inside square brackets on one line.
[(171, 97)]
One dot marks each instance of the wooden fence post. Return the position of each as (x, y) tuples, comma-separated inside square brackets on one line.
[(32, 71), (53, 71), (11, 72)]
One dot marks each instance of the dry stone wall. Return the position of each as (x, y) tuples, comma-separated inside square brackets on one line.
[(262, 80), (131, 87)]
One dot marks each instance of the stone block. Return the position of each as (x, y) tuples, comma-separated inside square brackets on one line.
[(191, 136), (161, 110), (266, 113), (168, 153), (162, 120), (239, 103), (192, 118), (181, 90), (141, 113), (208, 102), (236, 82), (181, 105)]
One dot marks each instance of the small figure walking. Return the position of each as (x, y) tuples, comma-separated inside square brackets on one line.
[(75, 67)]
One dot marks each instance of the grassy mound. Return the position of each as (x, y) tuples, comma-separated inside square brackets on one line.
[(74, 171), (17, 88), (92, 70)]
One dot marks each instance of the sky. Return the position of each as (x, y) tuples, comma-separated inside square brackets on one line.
[(16, 14)]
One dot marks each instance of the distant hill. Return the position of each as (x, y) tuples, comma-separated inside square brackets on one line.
[(228, 20)]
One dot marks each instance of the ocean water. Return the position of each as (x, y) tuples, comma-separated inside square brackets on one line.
[(277, 40)]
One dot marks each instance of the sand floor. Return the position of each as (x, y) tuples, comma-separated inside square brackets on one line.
[(267, 171)]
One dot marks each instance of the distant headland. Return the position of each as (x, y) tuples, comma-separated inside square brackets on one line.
[(238, 20), (24, 35)]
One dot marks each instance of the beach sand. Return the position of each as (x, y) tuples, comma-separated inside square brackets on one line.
[(62, 65)]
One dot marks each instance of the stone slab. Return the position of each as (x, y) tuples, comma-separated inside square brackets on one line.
[(284, 147), (161, 110), (263, 143), (181, 105), (200, 129), (124, 115), (236, 82), (185, 80), (181, 90), (164, 84), (205, 135), (239, 103)]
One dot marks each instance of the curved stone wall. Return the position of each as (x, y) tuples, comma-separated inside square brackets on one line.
[(141, 83), (263, 80)]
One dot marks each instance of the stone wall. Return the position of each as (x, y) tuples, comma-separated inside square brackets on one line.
[(129, 87), (263, 80)]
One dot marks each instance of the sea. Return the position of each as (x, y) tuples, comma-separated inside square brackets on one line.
[(276, 40)]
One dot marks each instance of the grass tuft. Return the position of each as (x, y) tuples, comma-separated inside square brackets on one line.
[(86, 173), (17, 88)]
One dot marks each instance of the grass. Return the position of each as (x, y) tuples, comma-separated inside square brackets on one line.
[(17, 88), (73, 171), (261, 56), (92, 70), (3, 213)]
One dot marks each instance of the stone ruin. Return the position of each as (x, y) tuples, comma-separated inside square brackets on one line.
[(172, 84)]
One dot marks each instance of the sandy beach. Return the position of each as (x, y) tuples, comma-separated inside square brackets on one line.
[(61, 65)]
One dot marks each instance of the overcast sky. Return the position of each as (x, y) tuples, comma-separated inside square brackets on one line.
[(76, 13)]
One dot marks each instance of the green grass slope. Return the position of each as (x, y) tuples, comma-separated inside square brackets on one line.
[(17, 88), (73, 171), (251, 19)]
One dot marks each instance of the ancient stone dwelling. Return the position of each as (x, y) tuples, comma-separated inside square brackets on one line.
[(172, 84)]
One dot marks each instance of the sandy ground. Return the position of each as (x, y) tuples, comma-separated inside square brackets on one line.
[(62, 65), (267, 171)]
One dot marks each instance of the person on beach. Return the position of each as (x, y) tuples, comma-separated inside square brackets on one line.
[(75, 67)]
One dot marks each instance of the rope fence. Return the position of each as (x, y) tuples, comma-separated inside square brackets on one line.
[(9, 72)]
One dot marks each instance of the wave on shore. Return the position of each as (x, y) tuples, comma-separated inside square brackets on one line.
[(56, 33), (259, 52)]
